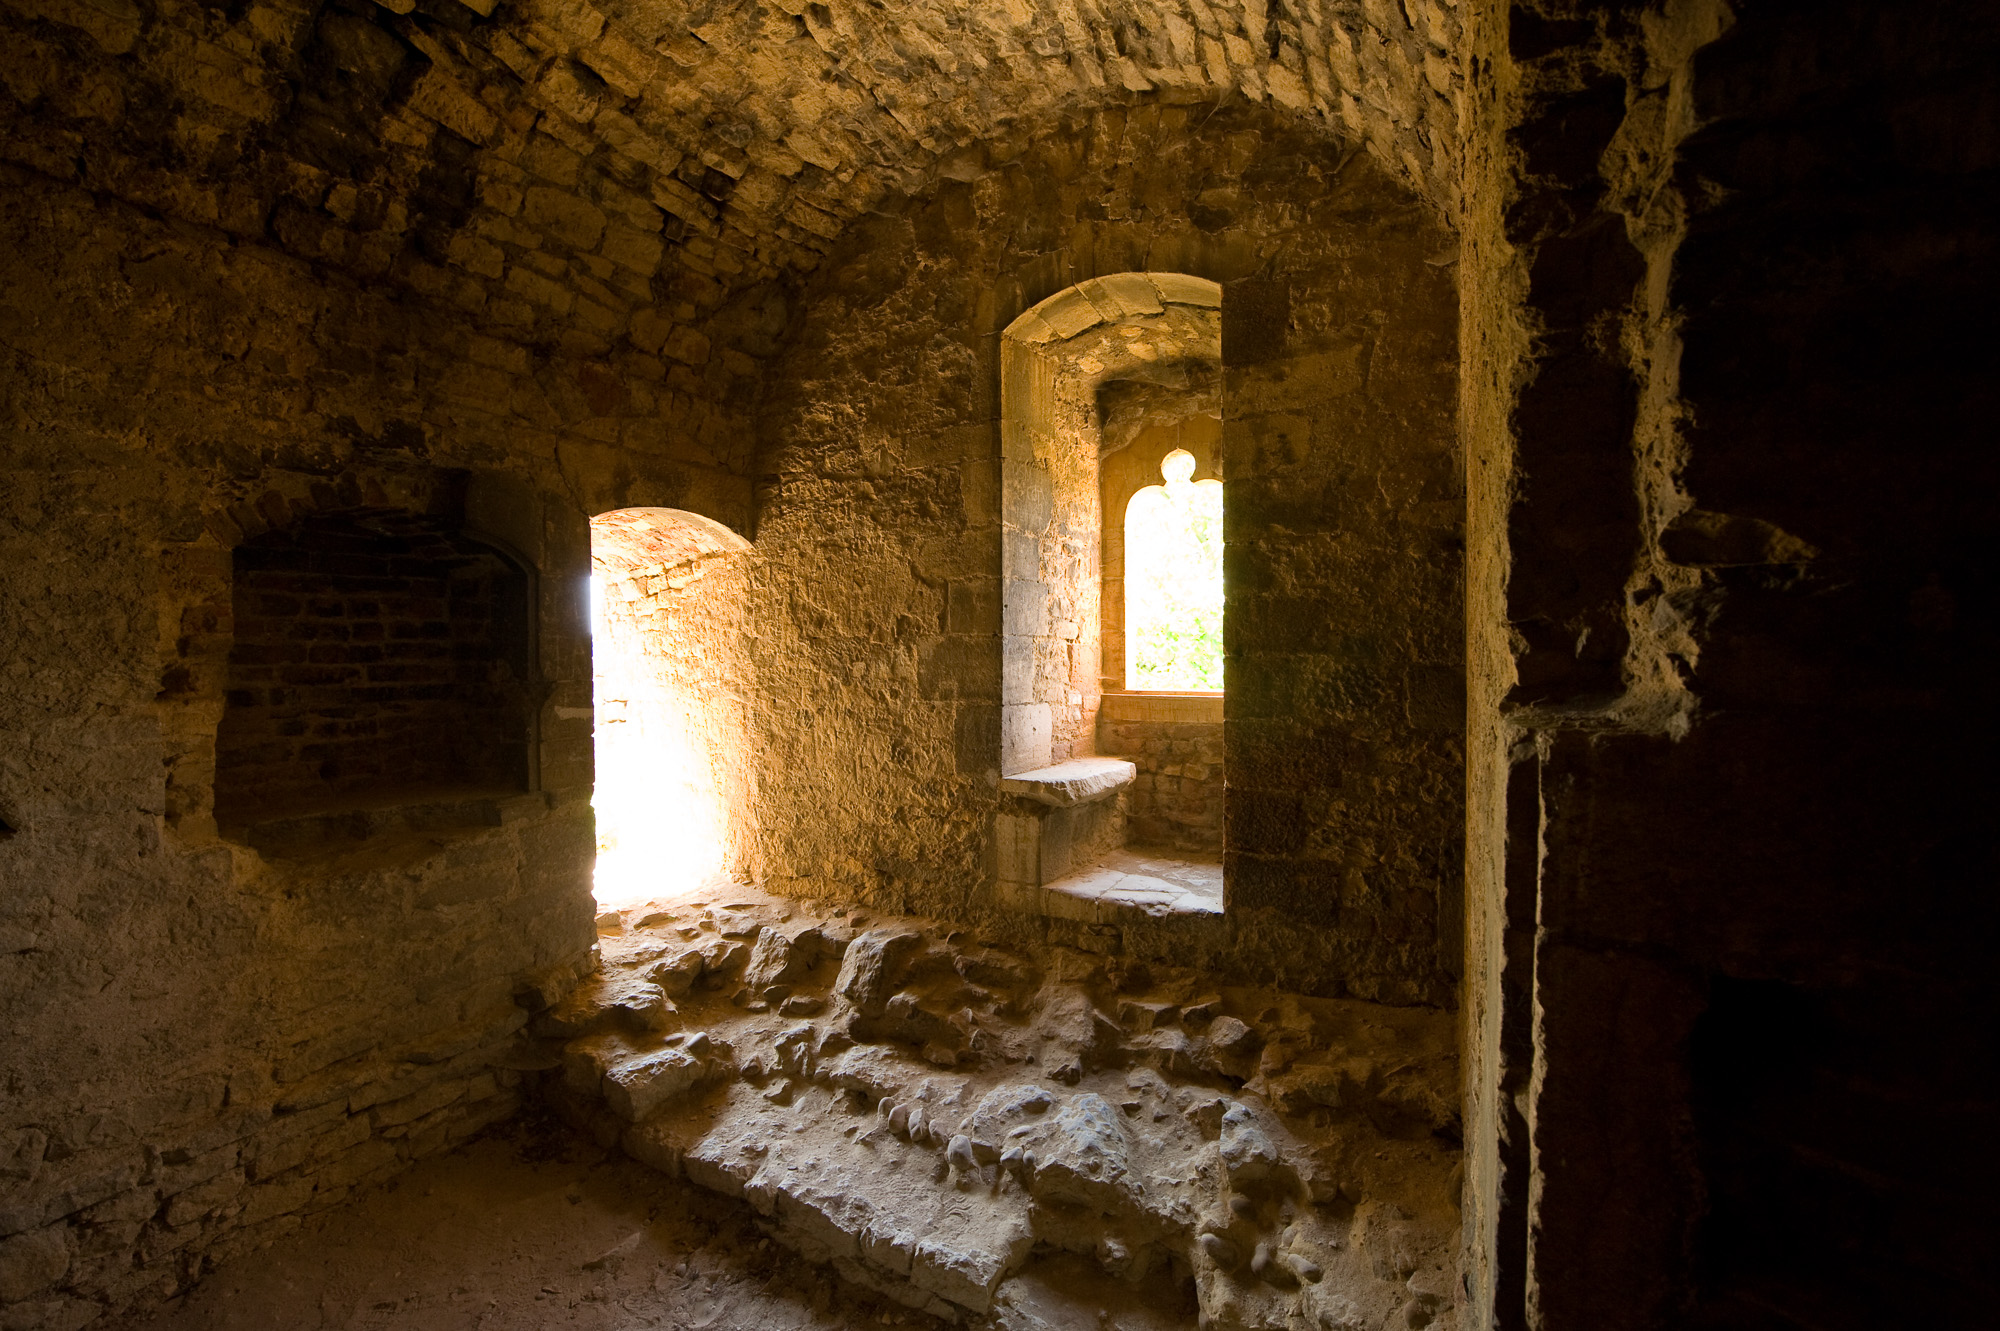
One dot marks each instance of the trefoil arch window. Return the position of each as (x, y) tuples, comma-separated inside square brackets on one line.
[(1173, 582)]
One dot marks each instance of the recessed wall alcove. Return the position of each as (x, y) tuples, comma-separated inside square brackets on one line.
[(381, 670), (930, 602), (1092, 379)]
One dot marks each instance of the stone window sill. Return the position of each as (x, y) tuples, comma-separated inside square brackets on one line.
[(1185, 708), (1154, 884)]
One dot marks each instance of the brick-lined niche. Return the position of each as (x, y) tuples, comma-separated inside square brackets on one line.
[(378, 660)]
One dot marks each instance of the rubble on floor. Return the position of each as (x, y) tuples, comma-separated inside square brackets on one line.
[(1012, 1140)]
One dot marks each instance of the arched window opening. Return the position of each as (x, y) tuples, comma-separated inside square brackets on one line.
[(1173, 582), (1163, 676), (668, 672), (380, 661), (1112, 595)]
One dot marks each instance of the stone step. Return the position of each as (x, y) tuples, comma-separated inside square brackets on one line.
[(1056, 1149), (885, 1210)]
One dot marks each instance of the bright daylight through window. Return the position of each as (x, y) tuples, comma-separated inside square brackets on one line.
[(1173, 582), (668, 696)]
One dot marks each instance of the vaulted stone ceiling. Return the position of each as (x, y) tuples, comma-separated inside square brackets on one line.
[(588, 176)]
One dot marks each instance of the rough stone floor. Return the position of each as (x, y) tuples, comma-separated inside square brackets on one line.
[(784, 1117), (532, 1227), (1023, 1136)]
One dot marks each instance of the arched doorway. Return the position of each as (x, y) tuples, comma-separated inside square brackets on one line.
[(669, 666)]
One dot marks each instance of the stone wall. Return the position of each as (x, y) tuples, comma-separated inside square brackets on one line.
[(423, 153), (880, 522), (215, 1035), (1058, 361), (207, 1039), (1732, 626), (1728, 527), (618, 178), (1176, 800)]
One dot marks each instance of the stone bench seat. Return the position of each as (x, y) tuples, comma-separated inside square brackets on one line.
[(1067, 784)]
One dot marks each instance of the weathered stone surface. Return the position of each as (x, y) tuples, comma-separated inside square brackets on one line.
[(677, 973), (1084, 1156), (1076, 781), (723, 956), (1248, 1154), (21, 1153), (782, 958), (1069, 1018), (874, 1070), (635, 1087), (942, 1184), (628, 994), (32, 1262), (1004, 1108), (867, 970), (1232, 1036)]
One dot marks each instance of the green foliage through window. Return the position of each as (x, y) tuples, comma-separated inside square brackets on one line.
[(1173, 582)]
